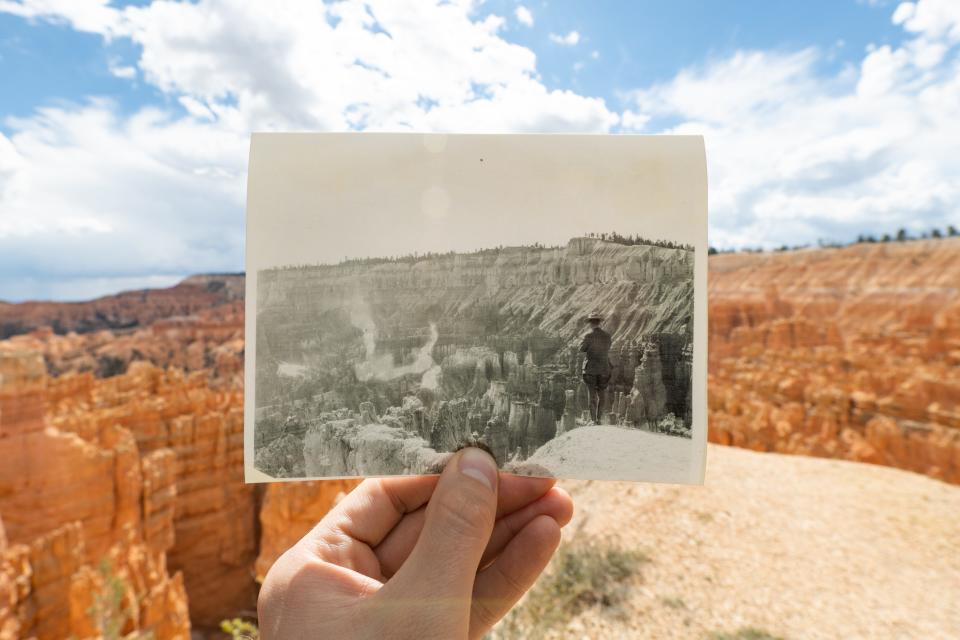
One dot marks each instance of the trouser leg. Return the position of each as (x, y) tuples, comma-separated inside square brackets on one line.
[(595, 395)]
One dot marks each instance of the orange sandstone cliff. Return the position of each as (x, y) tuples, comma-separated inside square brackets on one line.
[(848, 353), (77, 513), (144, 468)]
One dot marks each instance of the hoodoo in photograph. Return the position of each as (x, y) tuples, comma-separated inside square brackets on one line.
[(570, 357)]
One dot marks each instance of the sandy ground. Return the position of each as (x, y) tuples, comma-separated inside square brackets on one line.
[(603, 452), (798, 547)]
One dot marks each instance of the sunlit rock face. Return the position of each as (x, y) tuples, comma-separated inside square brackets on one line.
[(92, 433), (75, 491), (851, 353), (291, 509)]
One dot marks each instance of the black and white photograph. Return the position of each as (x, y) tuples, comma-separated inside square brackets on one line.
[(538, 296)]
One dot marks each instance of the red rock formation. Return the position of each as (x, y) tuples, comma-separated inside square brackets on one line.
[(150, 600), (16, 607), (210, 340), (49, 590), (124, 310), (181, 427), (151, 460), (289, 511), (847, 353)]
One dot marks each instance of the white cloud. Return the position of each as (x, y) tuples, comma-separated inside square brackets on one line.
[(568, 40), (930, 18), (524, 16), (632, 121), (96, 197), (161, 193), (795, 156), (301, 64), (123, 71), (90, 198), (94, 16)]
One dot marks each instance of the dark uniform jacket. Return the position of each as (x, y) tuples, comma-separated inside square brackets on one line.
[(596, 344)]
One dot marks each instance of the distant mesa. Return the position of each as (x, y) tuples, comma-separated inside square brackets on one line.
[(123, 311)]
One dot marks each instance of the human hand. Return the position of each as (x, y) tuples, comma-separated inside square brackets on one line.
[(417, 557)]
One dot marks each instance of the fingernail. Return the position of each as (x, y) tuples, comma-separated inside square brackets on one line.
[(479, 465)]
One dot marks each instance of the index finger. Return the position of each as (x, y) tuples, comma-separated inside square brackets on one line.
[(376, 505)]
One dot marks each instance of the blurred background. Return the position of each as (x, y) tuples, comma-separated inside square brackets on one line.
[(831, 502)]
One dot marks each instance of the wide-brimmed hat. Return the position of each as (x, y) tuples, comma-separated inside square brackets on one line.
[(595, 316)]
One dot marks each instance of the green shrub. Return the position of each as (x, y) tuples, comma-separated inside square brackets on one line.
[(240, 629), (581, 576), (107, 611)]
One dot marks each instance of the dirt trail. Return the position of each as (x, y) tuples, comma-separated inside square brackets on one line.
[(605, 451), (797, 547)]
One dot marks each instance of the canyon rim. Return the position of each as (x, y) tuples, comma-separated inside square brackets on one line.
[(540, 296)]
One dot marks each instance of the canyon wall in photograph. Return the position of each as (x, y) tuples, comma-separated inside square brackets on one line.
[(387, 363)]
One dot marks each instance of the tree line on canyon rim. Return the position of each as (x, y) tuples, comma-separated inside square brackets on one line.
[(902, 235), (611, 236)]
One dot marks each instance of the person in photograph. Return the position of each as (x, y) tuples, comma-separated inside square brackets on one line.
[(596, 365)]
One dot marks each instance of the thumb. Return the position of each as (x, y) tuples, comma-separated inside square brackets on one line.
[(442, 567)]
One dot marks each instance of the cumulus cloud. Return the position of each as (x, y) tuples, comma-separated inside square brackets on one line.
[(524, 16), (795, 156), (633, 122), (123, 71), (302, 64), (160, 192), (930, 18), (91, 200), (568, 40), (96, 200), (93, 16)]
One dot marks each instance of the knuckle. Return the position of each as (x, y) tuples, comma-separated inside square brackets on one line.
[(512, 586), (485, 612), (466, 514)]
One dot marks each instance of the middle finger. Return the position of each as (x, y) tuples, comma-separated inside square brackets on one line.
[(518, 496)]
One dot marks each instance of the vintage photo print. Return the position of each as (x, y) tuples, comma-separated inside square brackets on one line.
[(540, 296)]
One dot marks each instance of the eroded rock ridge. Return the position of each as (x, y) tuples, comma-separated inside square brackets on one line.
[(383, 367), (848, 353)]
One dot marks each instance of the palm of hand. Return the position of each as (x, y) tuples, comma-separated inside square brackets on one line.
[(415, 557)]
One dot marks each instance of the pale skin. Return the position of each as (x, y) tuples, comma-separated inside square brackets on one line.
[(425, 557)]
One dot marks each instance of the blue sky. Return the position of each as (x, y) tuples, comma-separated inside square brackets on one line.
[(123, 126), (637, 43), (644, 42)]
